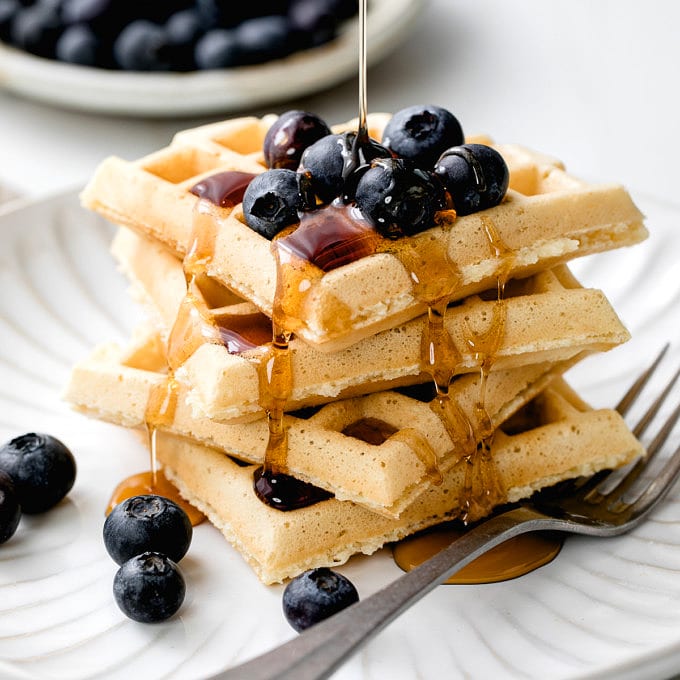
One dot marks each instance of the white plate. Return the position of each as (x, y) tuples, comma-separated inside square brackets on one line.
[(172, 94), (603, 608)]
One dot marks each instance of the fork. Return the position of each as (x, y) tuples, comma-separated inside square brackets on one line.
[(582, 506)]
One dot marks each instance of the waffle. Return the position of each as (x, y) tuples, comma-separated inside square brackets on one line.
[(547, 217), (548, 318), (386, 478), (561, 438), (395, 463)]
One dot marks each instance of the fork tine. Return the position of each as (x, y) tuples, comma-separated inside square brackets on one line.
[(663, 433), (629, 397), (656, 487), (592, 495), (642, 425)]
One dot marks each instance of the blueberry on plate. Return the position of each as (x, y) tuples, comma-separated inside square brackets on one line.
[(10, 509), (399, 198), (42, 468), (272, 201), (475, 175), (149, 588), (147, 523), (422, 134), (291, 133), (315, 595), (141, 46)]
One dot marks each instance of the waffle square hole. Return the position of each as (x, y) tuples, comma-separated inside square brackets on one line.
[(242, 141), (182, 164)]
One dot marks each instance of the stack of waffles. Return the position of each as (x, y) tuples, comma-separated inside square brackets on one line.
[(416, 381)]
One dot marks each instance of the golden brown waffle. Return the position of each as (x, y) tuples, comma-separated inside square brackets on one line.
[(562, 439), (385, 477), (548, 217), (547, 318)]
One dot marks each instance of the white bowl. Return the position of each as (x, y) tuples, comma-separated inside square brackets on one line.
[(202, 92)]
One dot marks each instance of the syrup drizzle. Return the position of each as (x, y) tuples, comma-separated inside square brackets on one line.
[(224, 189), (193, 326), (271, 483), (515, 557), (482, 487), (302, 255)]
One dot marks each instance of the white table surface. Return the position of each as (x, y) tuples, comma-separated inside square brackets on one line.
[(593, 82)]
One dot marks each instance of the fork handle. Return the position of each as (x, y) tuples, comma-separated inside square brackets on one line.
[(321, 649)]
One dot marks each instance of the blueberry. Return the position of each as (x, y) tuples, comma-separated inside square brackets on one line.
[(149, 588), (315, 595), (37, 28), (78, 45), (422, 134), (399, 198), (328, 163), (227, 14), (263, 39), (8, 10), (271, 202), (324, 164), (10, 509), (313, 21), (42, 468), (475, 176), (289, 136), (147, 523), (182, 30), (105, 17), (86, 11), (141, 46), (217, 49), (212, 13)]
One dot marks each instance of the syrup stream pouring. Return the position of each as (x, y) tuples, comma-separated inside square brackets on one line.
[(575, 506)]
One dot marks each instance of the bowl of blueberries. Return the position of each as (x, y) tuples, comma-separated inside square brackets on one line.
[(185, 57)]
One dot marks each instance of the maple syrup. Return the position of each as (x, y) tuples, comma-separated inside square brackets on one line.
[(224, 189), (515, 557), (325, 239), (192, 327), (331, 237), (370, 430), (152, 482), (241, 333), (283, 492)]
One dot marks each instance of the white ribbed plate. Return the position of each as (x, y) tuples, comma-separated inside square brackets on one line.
[(604, 608), (200, 92)]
